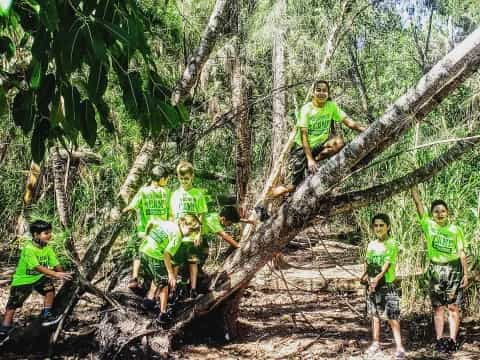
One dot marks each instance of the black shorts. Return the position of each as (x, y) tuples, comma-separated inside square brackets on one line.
[(384, 302), (297, 164), (444, 283), (20, 293)]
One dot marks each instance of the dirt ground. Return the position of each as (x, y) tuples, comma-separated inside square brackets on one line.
[(283, 316)]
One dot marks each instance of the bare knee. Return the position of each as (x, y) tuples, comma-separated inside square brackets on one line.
[(453, 308)]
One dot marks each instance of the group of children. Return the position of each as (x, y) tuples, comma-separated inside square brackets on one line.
[(174, 231), (174, 227), (447, 275)]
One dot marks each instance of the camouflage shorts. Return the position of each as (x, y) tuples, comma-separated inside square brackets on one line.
[(444, 283), (297, 164), (154, 270), (384, 302), (18, 294)]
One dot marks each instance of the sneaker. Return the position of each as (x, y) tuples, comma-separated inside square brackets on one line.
[(373, 349), (49, 318), (400, 355), (149, 305), (4, 335), (442, 345), (452, 345), (163, 318), (193, 294)]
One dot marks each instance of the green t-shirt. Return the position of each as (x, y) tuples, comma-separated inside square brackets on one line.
[(317, 121), (212, 224), (379, 253), (444, 243), (151, 202), (31, 257), (190, 201), (163, 236)]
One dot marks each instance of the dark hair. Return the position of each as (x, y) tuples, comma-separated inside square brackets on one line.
[(384, 217), (436, 203), (158, 172), (318, 82), (230, 213), (38, 226)]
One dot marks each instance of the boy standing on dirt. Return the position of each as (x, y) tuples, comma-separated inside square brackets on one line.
[(161, 242), (34, 272), (151, 203)]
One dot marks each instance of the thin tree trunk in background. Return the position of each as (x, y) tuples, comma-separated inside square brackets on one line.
[(61, 201), (279, 99), (202, 52), (240, 93)]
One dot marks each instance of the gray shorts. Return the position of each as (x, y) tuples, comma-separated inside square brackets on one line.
[(384, 302), (444, 283)]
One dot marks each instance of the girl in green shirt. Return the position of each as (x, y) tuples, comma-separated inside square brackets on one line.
[(382, 298)]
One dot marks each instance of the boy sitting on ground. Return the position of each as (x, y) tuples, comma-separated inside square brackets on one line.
[(161, 242), (34, 272)]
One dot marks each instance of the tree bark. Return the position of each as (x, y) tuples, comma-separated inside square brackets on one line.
[(202, 52)]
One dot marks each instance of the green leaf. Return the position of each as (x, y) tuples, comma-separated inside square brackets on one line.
[(23, 110), (88, 123), (46, 91), (56, 115), (97, 81), (183, 112), (34, 5), (104, 114), (5, 7), (39, 136), (49, 15), (120, 34), (7, 47), (41, 46), (35, 74), (169, 114), (72, 99)]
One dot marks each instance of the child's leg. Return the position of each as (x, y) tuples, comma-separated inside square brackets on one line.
[(48, 300), (163, 299), (376, 329), (193, 269), (438, 320), (395, 325), (151, 292), (135, 271), (454, 320), (8, 317)]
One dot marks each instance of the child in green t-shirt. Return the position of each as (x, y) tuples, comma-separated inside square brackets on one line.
[(162, 240), (313, 141), (447, 270), (187, 199), (34, 272), (152, 202), (382, 298)]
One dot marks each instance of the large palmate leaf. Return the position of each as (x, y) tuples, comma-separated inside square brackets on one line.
[(88, 124), (24, 110)]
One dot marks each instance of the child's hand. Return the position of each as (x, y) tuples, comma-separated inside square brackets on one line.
[(63, 275), (364, 280), (312, 166), (172, 281), (464, 282)]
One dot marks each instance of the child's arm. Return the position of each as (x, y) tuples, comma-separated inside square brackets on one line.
[(417, 200), (463, 260), (172, 281), (376, 279), (228, 239), (312, 164), (54, 274), (248, 221), (364, 277), (353, 124)]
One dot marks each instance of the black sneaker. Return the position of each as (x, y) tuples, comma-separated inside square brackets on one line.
[(442, 345), (149, 305), (163, 319), (49, 318), (193, 294), (452, 345), (4, 336)]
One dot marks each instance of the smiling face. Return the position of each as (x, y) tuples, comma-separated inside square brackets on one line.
[(185, 179), (320, 93), (380, 229), (440, 214)]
